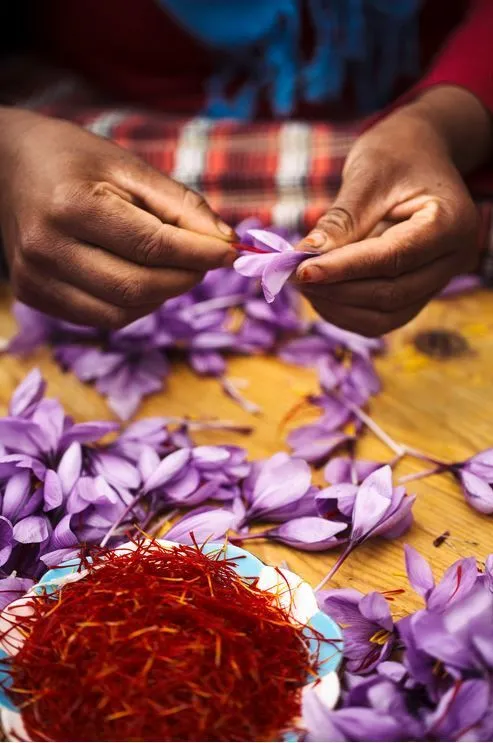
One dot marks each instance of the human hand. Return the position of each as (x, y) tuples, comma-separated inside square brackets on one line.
[(91, 233), (402, 226)]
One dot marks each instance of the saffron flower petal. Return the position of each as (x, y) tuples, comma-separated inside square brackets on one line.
[(308, 533), (203, 524), (478, 492), (277, 272), (419, 573), (31, 530), (276, 483), (456, 583), (367, 626)]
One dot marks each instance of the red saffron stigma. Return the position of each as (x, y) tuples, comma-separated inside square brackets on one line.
[(458, 582), (240, 247), (159, 644)]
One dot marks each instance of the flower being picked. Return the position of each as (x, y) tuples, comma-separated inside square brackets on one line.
[(273, 260)]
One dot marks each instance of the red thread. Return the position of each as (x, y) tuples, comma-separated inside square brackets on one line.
[(240, 247), (458, 582)]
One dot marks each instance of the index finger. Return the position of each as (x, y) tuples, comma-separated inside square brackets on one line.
[(119, 226), (405, 247)]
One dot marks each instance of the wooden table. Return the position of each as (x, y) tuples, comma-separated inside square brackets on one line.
[(444, 407)]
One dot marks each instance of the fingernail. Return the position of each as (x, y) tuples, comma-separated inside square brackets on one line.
[(315, 240), (226, 230), (311, 274)]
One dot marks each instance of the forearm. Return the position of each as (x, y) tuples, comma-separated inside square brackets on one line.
[(462, 122), (14, 121)]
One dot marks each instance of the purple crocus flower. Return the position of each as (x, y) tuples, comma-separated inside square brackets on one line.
[(355, 723), (315, 443), (461, 712), (459, 639), (476, 478), (488, 572), (457, 582), (307, 533), (348, 470), (337, 501), (475, 475), (19, 499), (206, 524), (385, 691), (35, 328), (338, 338), (307, 351), (47, 432), (226, 474), (273, 262), (62, 545), (461, 285), (366, 623), (453, 634), (27, 395), (190, 476), (6, 540), (379, 510), (132, 378), (31, 530), (322, 340), (278, 489), (149, 433), (13, 588), (361, 381)]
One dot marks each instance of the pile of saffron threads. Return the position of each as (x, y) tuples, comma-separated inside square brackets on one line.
[(159, 644)]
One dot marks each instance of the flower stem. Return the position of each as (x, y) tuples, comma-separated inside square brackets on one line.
[(111, 531), (418, 454), (398, 449), (209, 424), (421, 475), (233, 392), (395, 461), (340, 560)]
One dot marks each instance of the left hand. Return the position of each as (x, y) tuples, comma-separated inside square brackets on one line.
[(402, 226)]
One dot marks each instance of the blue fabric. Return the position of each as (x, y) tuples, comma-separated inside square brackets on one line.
[(370, 42)]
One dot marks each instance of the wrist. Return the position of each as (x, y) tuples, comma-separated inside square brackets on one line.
[(14, 123), (460, 120)]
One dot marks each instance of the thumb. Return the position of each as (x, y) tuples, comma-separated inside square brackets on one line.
[(174, 203), (359, 206)]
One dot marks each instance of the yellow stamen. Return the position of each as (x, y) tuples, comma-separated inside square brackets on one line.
[(380, 637)]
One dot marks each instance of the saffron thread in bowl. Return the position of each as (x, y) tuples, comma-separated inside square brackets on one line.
[(159, 644)]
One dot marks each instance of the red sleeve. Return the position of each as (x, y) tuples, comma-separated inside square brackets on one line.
[(467, 57)]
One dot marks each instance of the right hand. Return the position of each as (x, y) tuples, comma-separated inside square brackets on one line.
[(91, 233)]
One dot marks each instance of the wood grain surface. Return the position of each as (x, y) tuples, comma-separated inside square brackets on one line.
[(443, 407)]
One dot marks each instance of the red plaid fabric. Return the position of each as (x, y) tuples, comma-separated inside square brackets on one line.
[(285, 173)]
